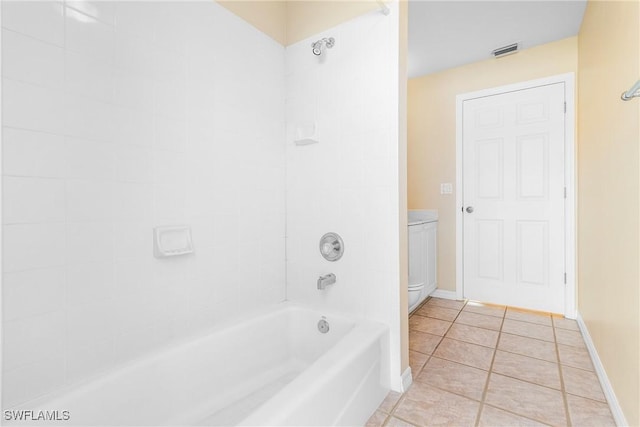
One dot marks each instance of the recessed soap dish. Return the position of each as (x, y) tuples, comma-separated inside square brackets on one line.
[(172, 240), (306, 134)]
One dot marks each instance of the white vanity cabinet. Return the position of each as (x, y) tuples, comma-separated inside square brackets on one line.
[(423, 235)]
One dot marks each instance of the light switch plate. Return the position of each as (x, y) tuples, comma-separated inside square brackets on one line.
[(446, 188)]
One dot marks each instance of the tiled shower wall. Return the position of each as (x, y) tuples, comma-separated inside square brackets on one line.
[(348, 181), (119, 117)]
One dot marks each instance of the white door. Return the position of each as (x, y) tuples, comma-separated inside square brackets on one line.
[(513, 198)]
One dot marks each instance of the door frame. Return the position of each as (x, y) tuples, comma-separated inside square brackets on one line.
[(569, 178)]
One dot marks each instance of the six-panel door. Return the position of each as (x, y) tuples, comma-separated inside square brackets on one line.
[(513, 184)]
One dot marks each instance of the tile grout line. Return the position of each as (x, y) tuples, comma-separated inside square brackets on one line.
[(430, 355), (394, 406), (434, 349), (509, 411), (539, 385), (492, 330), (531, 382), (562, 385), (501, 374), (482, 401), (491, 372), (486, 384), (447, 331), (386, 418), (469, 342), (526, 355), (441, 336), (414, 313), (399, 418)]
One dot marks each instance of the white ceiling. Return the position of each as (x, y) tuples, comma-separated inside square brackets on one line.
[(447, 34)]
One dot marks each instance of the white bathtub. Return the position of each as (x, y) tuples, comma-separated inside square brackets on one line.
[(275, 368)]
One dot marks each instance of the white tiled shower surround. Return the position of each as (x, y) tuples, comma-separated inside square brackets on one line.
[(119, 117), (123, 116), (347, 182)]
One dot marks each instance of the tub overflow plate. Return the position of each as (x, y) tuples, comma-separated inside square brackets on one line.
[(323, 325)]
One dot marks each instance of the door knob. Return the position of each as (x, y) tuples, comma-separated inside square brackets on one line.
[(469, 209)]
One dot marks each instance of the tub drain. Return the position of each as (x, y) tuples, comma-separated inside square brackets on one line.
[(323, 325)]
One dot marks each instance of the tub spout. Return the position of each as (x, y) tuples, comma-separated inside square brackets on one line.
[(326, 280)]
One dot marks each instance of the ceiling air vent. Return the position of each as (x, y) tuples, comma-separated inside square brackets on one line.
[(505, 50)]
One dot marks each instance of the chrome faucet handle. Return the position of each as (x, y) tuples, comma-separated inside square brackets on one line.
[(331, 247)]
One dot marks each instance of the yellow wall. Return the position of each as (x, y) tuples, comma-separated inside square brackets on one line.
[(432, 130), (268, 16), (290, 21), (306, 18), (609, 193)]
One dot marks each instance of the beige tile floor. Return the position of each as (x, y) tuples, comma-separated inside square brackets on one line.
[(482, 365)]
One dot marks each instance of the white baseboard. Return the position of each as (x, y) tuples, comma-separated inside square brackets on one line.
[(440, 293), (614, 405), (407, 379), (403, 382)]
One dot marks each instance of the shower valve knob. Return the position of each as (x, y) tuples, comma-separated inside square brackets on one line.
[(331, 247)]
